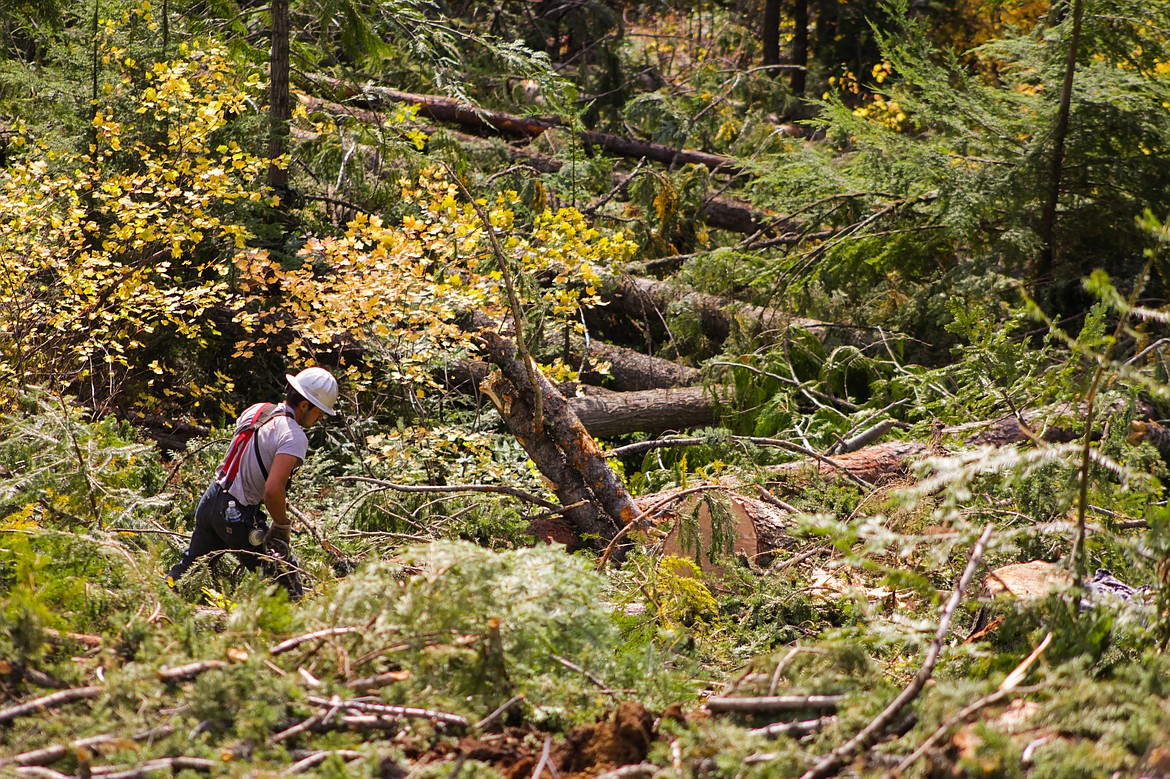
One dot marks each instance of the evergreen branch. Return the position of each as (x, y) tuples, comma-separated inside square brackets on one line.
[(832, 763)]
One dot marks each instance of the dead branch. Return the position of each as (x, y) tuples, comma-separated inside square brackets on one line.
[(49, 702), (832, 763), (81, 638), (499, 712), (773, 703), (39, 772), (173, 764), (958, 718), (456, 488), (315, 759), (183, 673), (384, 710), (798, 728), (630, 771), (296, 641), (47, 755), (377, 681)]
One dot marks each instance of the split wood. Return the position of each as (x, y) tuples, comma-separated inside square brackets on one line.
[(393, 711), (832, 763), (775, 703), (49, 702)]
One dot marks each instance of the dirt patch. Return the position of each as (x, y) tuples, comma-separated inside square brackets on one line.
[(623, 737)]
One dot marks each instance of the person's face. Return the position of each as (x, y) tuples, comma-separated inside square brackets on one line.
[(310, 415)]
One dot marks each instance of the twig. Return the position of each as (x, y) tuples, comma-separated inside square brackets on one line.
[(306, 724), (173, 764), (49, 702), (832, 763), (293, 643), (574, 667), (771, 703), (182, 673), (492, 488), (489, 719), (630, 771), (317, 758), (770, 498), (394, 711), (798, 728), (544, 760), (958, 718)]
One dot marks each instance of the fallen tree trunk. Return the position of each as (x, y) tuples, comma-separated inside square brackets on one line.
[(628, 369), (448, 109), (559, 437), (648, 301), (649, 411), (718, 212)]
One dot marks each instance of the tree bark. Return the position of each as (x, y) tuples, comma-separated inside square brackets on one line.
[(799, 46), (1059, 134), (629, 370), (278, 94), (586, 517), (872, 464), (770, 33), (647, 300), (569, 435), (649, 411)]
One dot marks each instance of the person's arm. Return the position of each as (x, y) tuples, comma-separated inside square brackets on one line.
[(276, 493)]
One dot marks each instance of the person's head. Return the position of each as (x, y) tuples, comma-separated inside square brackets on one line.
[(311, 393)]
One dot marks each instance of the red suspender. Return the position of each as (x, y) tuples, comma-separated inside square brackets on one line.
[(231, 463)]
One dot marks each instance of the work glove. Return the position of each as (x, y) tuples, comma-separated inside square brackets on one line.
[(277, 538)]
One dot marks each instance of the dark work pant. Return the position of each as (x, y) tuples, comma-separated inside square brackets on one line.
[(213, 535)]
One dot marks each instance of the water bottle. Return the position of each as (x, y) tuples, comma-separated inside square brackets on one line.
[(232, 515)]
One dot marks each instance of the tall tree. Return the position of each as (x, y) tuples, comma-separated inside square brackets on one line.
[(278, 95)]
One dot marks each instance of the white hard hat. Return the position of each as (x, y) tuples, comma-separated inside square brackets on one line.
[(317, 386)]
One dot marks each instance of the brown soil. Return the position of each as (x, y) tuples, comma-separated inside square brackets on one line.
[(622, 737)]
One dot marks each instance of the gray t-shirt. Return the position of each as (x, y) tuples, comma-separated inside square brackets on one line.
[(281, 435)]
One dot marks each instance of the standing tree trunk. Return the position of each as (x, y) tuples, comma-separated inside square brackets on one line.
[(799, 46), (770, 34), (1059, 134), (278, 99)]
